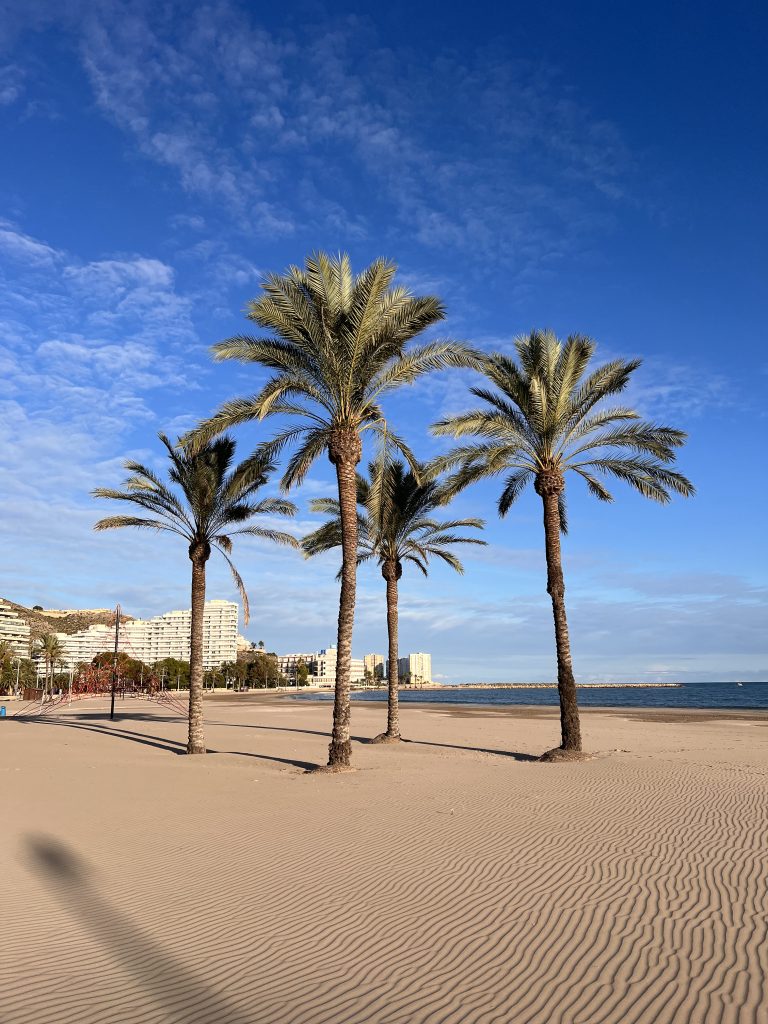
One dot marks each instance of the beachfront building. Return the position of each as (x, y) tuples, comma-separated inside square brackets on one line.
[(323, 670), (288, 664), (373, 666), (321, 665), (14, 630), (164, 636), (415, 669)]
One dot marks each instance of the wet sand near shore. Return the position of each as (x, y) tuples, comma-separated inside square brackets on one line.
[(523, 711)]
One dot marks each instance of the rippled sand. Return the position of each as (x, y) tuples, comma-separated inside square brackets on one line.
[(450, 879)]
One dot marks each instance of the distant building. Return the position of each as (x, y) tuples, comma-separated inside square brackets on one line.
[(321, 665), (288, 664), (164, 636), (373, 666), (415, 669), (323, 672), (14, 630), (63, 613)]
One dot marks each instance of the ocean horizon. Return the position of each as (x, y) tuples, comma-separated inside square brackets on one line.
[(734, 696)]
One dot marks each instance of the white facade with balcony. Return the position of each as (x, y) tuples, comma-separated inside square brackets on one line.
[(373, 665), (14, 630), (164, 636), (415, 669)]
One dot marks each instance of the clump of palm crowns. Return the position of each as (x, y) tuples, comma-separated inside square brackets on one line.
[(338, 344)]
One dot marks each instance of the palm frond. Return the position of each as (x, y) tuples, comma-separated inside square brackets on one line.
[(118, 522), (542, 418), (275, 536), (238, 583)]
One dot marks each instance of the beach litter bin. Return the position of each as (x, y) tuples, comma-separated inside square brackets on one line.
[(2, 710)]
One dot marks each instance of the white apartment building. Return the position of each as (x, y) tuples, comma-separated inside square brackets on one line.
[(374, 664), (288, 664), (416, 669), (321, 665), (164, 636), (14, 630), (324, 669)]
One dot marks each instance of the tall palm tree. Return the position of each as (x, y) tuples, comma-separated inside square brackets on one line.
[(50, 648), (212, 498), (544, 420), (395, 525), (337, 347)]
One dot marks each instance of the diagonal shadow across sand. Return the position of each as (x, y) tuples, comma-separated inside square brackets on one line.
[(515, 755), (171, 746), (179, 993)]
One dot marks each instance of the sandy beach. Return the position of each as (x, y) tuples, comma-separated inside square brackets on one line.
[(449, 879)]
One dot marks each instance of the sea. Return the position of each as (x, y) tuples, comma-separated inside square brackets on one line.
[(747, 696)]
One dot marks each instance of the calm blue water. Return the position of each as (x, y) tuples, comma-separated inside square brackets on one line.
[(747, 697)]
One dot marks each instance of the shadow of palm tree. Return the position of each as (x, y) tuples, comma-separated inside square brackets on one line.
[(172, 746), (178, 991), (515, 755)]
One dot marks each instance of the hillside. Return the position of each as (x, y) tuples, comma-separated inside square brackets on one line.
[(43, 622)]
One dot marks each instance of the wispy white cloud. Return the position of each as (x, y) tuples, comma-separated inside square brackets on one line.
[(17, 246), (501, 159), (11, 84), (88, 350)]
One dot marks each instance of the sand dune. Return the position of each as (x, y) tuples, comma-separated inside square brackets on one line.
[(441, 882)]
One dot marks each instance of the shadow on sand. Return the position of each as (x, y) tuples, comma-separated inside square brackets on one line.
[(515, 755), (161, 743), (179, 994)]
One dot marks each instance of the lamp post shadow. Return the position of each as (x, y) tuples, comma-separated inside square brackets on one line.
[(181, 994)]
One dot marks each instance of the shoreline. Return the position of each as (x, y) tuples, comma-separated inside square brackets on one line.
[(672, 715)]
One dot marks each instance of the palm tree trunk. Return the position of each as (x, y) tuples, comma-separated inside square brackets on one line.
[(344, 452), (391, 571), (550, 489), (196, 740)]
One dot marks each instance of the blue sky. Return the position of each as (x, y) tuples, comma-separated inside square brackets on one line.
[(595, 168)]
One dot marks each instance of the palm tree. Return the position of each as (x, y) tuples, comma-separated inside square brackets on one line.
[(543, 421), (7, 657), (213, 498), (395, 525), (50, 648), (338, 346)]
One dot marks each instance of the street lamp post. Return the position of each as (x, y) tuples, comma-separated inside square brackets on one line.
[(114, 663)]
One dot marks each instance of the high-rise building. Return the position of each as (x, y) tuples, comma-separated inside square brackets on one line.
[(415, 669), (14, 630), (374, 664), (164, 636)]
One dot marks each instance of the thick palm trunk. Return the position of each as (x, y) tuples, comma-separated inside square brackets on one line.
[(550, 487), (391, 571), (196, 739), (345, 452)]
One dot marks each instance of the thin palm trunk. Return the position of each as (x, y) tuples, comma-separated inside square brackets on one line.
[(391, 574), (196, 740), (340, 746), (569, 709)]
